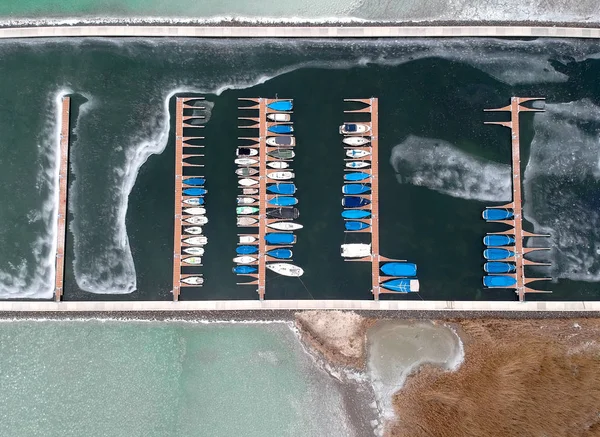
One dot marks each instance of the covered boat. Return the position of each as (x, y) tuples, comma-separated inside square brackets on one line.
[(194, 181), (401, 285), (357, 153), (282, 201), (354, 202), (280, 175), (194, 201), (194, 230), (497, 214), (244, 259), (196, 241), (249, 191), (356, 226), (354, 128), (356, 214), (498, 267), (283, 213), (196, 251), (285, 188), (247, 182), (281, 153), (358, 164), (286, 269), (246, 200), (278, 164), (499, 281), (279, 117), (247, 239), (193, 280), (356, 176), (195, 192), (244, 270), (246, 171), (246, 250), (280, 238), (399, 269), (355, 250), (281, 128), (356, 188), (498, 240), (246, 151), (245, 210), (497, 254), (193, 260), (285, 226), (281, 141), (281, 105), (195, 211), (356, 141), (196, 220), (280, 253), (246, 161), (246, 221)]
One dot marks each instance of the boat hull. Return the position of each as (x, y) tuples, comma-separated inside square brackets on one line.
[(246, 151), (284, 141), (357, 153), (497, 214), (246, 171), (245, 210), (193, 280), (401, 285), (281, 105), (285, 226), (280, 253), (193, 260), (280, 175), (195, 211), (281, 154), (354, 128), (247, 182), (281, 129), (246, 250), (498, 240), (497, 254), (196, 241), (356, 214), (356, 176), (356, 141), (246, 161), (355, 250), (282, 188), (194, 181), (194, 230), (245, 259), (399, 269), (195, 192), (498, 267), (246, 200), (244, 270), (356, 226), (499, 281), (194, 201), (283, 201), (196, 251), (283, 213), (246, 221), (278, 165), (286, 269), (358, 164), (356, 189), (280, 238), (354, 202)]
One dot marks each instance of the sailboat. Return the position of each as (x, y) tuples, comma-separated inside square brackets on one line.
[(286, 269), (285, 226), (356, 141), (193, 280), (195, 211), (194, 230), (196, 251)]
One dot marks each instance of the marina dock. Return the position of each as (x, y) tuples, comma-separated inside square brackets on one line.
[(63, 174), (516, 221)]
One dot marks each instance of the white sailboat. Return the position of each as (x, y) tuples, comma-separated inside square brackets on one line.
[(193, 260), (285, 226), (246, 239), (244, 259), (196, 251), (194, 230), (356, 141), (280, 175), (286, 269), (278, 164), (196, 220), (193, 280), (247, 182), (195, 211), (357, 153), (196, 241)]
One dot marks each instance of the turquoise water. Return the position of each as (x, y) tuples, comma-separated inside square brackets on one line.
[(161, 379)]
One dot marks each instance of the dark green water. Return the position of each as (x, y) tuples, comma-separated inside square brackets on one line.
[(427, 90)]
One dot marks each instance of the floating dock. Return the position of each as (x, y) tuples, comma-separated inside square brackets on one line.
[(372, 108), (63, 174), (182, 121), (516, 221)]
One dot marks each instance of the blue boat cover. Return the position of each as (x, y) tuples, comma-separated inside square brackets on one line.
[(498, 267), (356, 188), (280, 238), (499, 281), (194, 191), (239, 270), (498, 240), (281, 129), (399, 269), (281, 105), (281, 188), (356, 214), (283, 201), (496, 254), (497, 214), (350, 127), (397, 285), (200, 200), (246, 250), (194, 181), (354, 201), (356, 176), (280, 253), (355, 226)]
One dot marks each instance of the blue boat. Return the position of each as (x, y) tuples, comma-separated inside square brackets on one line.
[(499, 281), (399, 285), (281, 105), (356, 176), (356, 189), (498, 267), (354, 202), (200, 200), (280, 253), (498, 240), (496, 254), (281, 129), (356, 226), (194, 191), (399, 269), (246, 250), (280, 238), (281, 188), (242, 270), (283, 201), (497, 214), (194, 181), (356, 214)]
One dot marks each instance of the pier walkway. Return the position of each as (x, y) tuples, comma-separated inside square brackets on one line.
[(63, 174)]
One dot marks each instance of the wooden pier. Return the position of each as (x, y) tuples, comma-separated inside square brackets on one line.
[(516, 223), (62, 199)]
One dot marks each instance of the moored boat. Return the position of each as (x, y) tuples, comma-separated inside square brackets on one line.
[(194, 201), (246, 250), (358, 164), (286, 269), (280, 253), (498, 240), (281, 105), (283, 213), (497, 214), (356, 176), (246, 200), (285, 188), (285, 226), (278, 164), (280, 238), (245, 161), (194, 181), (194, 230), (279, 117), (249, 191), (246, 171), (247, 239), (498, 267), (282, 201), (245, 210), (357, 153), (354, 128), (281, 128), (354, 202), (356, 188), (193, 260), (196, 241), (246, 151), (402, 285), (193, 280), (399, 269), (246, 221), (195, 192), (356, 214), (497, 254), (196, 251), (356, 141), (195, 211), (499, 281), (247, 182), (281, 153), (356, 250), (280, 175), (244, 259), (282, 141), (244, 270), (356, 226)]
